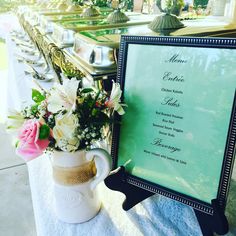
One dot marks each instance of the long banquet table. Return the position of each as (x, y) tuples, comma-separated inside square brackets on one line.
[(152, 217)]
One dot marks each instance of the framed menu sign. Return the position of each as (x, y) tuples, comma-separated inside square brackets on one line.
[(177, 137)]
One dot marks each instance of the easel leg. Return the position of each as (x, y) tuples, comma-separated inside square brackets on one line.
[(217, 222), (134, 195), (203, 221)]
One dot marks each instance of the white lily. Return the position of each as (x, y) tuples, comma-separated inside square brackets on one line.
[(15, 121), (63, 96), (114, 100)]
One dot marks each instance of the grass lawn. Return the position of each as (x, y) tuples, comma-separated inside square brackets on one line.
[(3, 55)]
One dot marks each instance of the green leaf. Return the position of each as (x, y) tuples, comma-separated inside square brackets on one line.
[(87, 90), (44, 132), (17, 143), (37, 96), (10, 127), (34, 109), (95, 112)]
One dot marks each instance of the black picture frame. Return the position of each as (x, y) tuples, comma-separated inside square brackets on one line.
[(229, 154)]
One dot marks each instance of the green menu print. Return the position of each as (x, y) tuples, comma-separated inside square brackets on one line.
[(179, 106)]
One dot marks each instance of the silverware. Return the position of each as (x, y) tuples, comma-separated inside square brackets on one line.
[(38, 76), (21, 38), (24, 43), (29, 51), (29, 61)]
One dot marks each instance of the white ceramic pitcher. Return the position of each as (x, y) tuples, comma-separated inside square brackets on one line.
[(76, 176)]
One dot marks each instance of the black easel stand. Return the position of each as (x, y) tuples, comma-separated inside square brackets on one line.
[(117, 181), (217, 222), (208, 223)]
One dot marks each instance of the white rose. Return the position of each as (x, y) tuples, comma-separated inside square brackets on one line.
[(64, 132)]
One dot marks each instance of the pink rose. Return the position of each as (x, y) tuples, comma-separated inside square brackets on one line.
[(30, 146)]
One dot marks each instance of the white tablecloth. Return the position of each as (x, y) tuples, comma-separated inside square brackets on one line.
[(154, 216)]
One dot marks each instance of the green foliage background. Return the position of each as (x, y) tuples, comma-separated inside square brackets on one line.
[(5, 6), (105, 3), (202, 3), (8, 5)]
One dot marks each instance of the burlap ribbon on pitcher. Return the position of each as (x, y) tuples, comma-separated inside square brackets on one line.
[(74, 175)]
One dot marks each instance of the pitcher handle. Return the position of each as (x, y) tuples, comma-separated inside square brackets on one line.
[(103, 164)]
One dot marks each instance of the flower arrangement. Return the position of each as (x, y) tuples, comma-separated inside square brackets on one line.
[(66, 118)]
